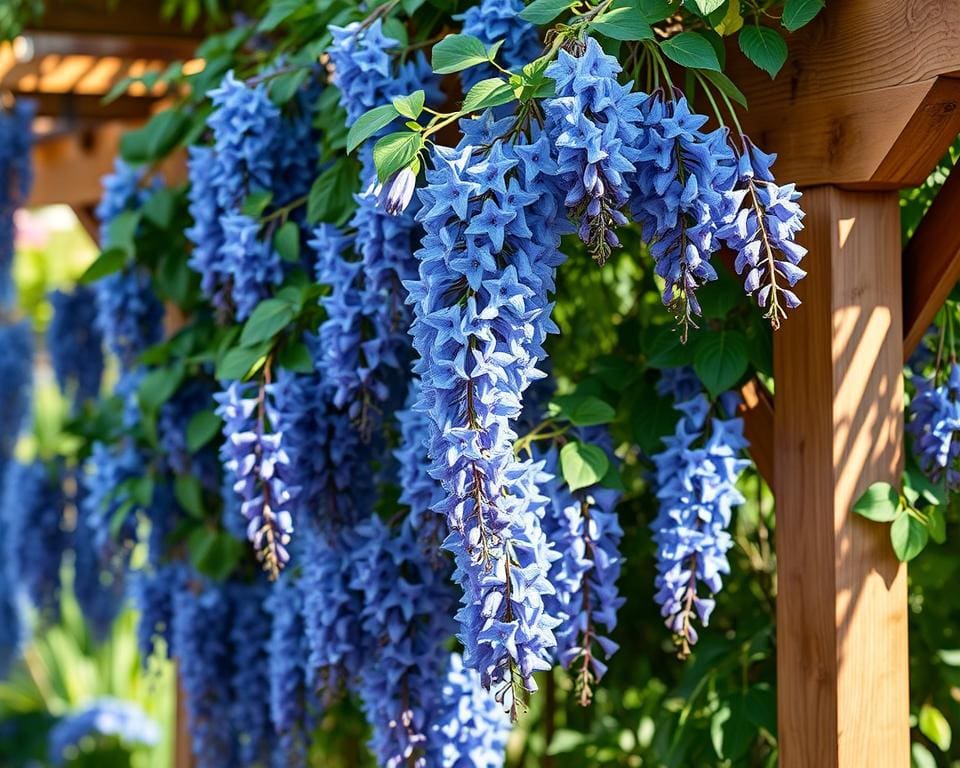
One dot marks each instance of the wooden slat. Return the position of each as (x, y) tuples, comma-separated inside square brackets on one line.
[(842, 665), (89, 108), (757, 410), (107, 17), (931, 263)]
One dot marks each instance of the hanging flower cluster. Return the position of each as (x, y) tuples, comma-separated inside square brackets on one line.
[(103, 717), (16, 176), (75, 343), (934, 424), (596, 125), (696, 476)]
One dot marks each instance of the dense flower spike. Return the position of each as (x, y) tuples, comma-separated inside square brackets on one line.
[(498, 21), (16, 176), (762, 233), (11, 620), (482, 314), (36, 536), (205, 665), (595, 124), (75, 343), (681, 200), (103, 717), (935, 427), (129, 314), (470, 730), (584, 528), (16, 382), (695, 478), (253, 454)]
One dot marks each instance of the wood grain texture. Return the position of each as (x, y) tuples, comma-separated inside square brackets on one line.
[(183, 753), (931, 263), (842, 665)]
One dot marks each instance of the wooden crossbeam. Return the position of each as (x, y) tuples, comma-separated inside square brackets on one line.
[(931, 263), (105, 17), (78, 107)]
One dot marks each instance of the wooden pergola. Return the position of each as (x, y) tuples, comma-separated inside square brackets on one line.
[(867, 104)]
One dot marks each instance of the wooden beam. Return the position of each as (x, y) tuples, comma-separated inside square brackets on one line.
[(107, 17), (88, 108), (757, 413), (143, 46), (931, 263), (842, 663)]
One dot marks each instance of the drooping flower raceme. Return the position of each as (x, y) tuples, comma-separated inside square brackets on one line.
[(16, 383), (482, 314), (16, 176), (253, 455), (584, 528), (75, 343), (762, 233), (934, 425), (681, 200), (105, 717), (695, 480), (498, 21), (595, 124)]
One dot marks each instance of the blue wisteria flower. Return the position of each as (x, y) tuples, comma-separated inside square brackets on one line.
[(470, 729), (75, 343), (583, 527), (16, 384), (482, 313), (934, 424), (498, 21), (695, 480), (16, 173), (253, 454), (683, 179), (762, 233), (102, 717), (36, 537), (595, 124)]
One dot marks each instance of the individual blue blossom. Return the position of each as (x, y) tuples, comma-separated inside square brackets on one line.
[(762, 233), (695, 481), (595, 123), (16, 384), (470, 730), (111, 717), (583, 527), (681, 198), (253, 454), (934, 425), (201, 621), (679, 384), (482, 314), (36, 537), (16, 173), (498, 21), (396, 194), (75, 343)]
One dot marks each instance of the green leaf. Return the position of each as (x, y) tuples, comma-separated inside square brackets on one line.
[(331, 196), (141, 490), (797, 13), (565, 740), (410, 106), (110, 261), (667, 350), (395, 151), (280, 11), (936, 523), (255, 203), (583, 465), (731, 731), (458, 52), (584, 410), (725, 85), (284, 87), (369, 123), (921, 757), (158, 386), (908, 536), (122, 231), (625, 24), (296, 357), (238, 362), (544, 11), (880, 503), (658, 10), (201, 429), (935, 727), (720, 359), (705, 7), (157, 138), (160, 207), (214, 553), (269, 318), (764, 47), (732, 20), (688, 49), (488, 93), (287, 241), (186, 489)]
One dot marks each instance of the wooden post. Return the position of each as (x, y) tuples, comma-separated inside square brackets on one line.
[(182, 746), (842, 665)]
